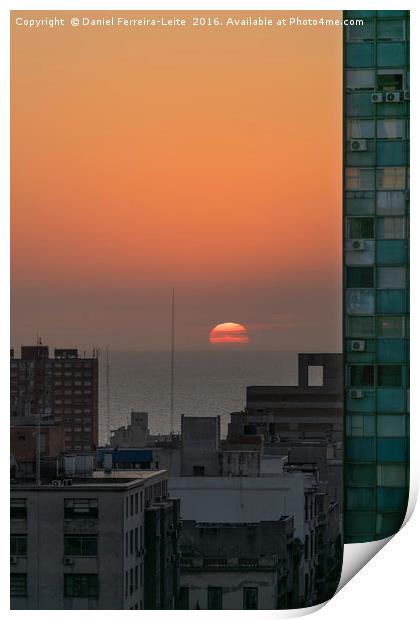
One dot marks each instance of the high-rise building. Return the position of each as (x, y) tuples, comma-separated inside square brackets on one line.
[(89, 542), (62, 390), (376, 279)]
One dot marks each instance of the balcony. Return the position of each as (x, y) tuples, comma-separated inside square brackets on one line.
[(200, 564)]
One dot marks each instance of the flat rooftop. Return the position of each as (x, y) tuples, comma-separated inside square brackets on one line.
[(97, 480)]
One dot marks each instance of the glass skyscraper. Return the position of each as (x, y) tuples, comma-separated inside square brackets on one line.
[(376, 278)]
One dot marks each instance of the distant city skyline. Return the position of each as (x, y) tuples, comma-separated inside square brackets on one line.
[(197, 159)]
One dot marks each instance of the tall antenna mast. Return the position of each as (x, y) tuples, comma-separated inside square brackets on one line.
[(172, 358), (108, 401)]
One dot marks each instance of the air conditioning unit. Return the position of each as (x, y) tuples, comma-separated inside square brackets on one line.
[(358, 145), (69, 561), (13, 559), (356, 394), (393, 97), (358, 244), (406, 95), (377, 97), (358, 345)]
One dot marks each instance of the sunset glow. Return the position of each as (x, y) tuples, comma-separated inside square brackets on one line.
[(201, 157), (229, 333)]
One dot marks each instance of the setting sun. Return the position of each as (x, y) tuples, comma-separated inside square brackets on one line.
[(229, 333)]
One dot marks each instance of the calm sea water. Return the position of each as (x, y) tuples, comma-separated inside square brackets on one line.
[(206, 383)]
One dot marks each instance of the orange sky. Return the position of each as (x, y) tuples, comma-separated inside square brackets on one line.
[(205, 158)]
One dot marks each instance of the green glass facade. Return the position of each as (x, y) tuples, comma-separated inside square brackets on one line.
[(376, 278)]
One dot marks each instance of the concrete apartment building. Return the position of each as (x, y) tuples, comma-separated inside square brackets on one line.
[(376, 203), (249, 500), (239, 566), (61, 390), (86, 542)]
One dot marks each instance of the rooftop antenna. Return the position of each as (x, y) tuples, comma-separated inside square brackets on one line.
[(172, 358), (108, 402)]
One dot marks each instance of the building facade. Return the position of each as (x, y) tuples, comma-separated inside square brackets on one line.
[(239, 566), (85, 543), (311, 409), (376, 278), (244, 501), (63, 389)]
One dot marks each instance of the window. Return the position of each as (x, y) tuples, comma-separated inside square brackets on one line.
[(390, 153), (390, 54), (250, 598), (131, 580), (18, 545), (214, 598), (306, 548), (360, 426), (360, 499), (360, 327), (136, 502), (390, 203), (18, 508), (79, 585), (391, 128), (81, 545), (198, 470), (18, 584), (390, 178), (391, 228), (360, 277), (389, 29), (126, 507), (81, 508), (131, 504), (391, 426), (136, 578), (361, 475), (390, 327), (391, 277), (389, 80), (361, 227), (126, 544), (360, 33), (360, 179), (390, 376), (357, 128), (131, 542), (361, 376), (136, 539), (392, 475), (360, 301), (360, 79)]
